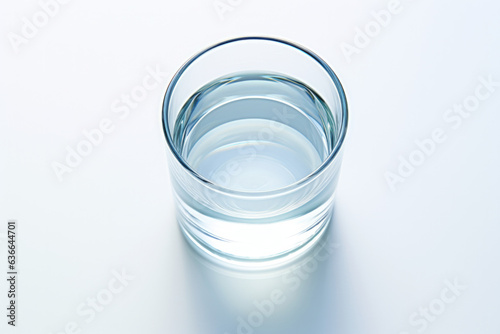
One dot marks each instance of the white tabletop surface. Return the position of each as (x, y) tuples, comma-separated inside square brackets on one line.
[(99, 250)]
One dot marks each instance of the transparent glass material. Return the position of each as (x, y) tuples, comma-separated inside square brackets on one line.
[(255, 128)]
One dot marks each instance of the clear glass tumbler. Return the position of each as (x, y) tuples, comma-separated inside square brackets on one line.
[(255, 128)]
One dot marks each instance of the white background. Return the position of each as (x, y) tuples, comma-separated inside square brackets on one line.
[(114, 211)]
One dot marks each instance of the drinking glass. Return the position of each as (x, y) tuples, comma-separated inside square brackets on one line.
[(255, 128)]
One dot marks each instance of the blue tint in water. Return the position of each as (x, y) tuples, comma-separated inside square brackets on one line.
[(254, 132), (254, 141)]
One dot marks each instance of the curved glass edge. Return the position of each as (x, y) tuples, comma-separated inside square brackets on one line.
[(299, 183)]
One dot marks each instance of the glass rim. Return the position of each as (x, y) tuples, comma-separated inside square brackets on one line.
[(306, 179)]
